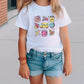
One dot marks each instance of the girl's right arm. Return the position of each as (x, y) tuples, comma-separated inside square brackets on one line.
[(22, 23), (24, 69), (22, 44)]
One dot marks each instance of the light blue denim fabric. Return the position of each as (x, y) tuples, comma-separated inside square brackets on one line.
[(49, 63)]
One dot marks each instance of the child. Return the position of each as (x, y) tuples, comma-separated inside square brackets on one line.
[(43, 37)]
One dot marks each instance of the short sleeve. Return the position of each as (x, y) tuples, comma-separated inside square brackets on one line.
[(65, 20), (22, 20)]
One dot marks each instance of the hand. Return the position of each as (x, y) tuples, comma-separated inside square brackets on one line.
[(67, 68), (24, 71)]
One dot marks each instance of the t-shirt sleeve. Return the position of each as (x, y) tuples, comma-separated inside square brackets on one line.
[(22, 20), (65, 20)]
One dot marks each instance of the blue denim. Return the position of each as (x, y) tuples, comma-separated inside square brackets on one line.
[(49, 63)]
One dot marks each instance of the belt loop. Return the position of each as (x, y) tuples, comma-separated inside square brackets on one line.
[(50, 55), (31, 52), (53, 54), (36, 53)]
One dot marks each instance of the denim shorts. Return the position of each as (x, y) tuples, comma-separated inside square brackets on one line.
[(49, 63)]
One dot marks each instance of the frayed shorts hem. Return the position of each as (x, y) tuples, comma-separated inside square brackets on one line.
[(54, 73), (35, 73)]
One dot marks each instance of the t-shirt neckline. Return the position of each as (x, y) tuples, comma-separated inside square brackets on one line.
[(41, 6)]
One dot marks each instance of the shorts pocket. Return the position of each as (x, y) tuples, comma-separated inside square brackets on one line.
[(29, 56), (57, 57)]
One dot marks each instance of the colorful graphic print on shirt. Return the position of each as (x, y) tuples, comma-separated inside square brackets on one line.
[(44, 26)]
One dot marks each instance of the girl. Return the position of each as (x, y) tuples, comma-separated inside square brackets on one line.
[(43, 37)]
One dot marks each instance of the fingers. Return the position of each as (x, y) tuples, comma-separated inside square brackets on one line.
[(24, 71), (24, 75), (64, 71), (67, 73)]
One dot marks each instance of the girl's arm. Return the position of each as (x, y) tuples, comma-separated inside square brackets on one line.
[(66, 48), (22, 44), (66, 43), (23, 70)]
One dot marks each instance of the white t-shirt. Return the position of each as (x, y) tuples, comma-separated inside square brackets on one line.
[(43, 27)]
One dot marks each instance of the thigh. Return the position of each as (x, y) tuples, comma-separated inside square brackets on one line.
[(54, 80), (36, 79)]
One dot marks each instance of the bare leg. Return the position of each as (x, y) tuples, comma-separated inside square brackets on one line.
[(54, 80), (36, 79)]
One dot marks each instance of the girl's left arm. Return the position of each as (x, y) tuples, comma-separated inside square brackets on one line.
[(67, 49)]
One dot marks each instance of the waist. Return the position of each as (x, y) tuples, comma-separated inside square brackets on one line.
[(35, 52)]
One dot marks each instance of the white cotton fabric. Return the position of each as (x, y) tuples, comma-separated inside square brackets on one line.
[(43, 27)]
